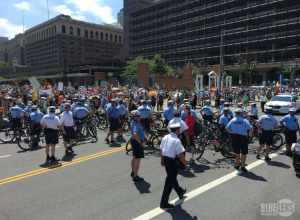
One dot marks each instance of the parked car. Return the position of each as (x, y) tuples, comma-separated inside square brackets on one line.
[(282, 103)]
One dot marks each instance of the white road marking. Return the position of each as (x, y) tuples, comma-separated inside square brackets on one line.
[(5, 156), (202, 189)]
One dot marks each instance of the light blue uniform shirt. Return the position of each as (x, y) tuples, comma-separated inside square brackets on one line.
[(239, 125), (16, 112), (36, 117), (80, 112), (290, 122), (137, 128), (122, 109), (169, 113), (145, 111), (224, 120), (267, 122), (254, 111), (113, 112), (207, 110)]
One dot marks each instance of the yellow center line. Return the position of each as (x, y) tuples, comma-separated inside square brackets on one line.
[(59, 166)]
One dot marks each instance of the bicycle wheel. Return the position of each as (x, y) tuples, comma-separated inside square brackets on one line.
[(226, 149), (128, 147), (277, 142), (158, 124), (103, 124), (197, 149), (24, 141), (155, 142), (7, 136), (93, 134)]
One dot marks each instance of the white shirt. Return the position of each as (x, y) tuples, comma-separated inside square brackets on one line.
[(183, 125), (171, 146), (66, 119), (50, 121)]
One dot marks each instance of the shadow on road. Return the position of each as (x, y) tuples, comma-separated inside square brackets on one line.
[(253, 176), (178, 213), (278, 164), (68, 157), (143, 186)]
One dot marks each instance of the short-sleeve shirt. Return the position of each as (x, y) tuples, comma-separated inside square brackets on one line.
[(36, 117), (137, 128), (66, 119), (207, 110), (171, 146), (113, 112), (50, 121), (290, 122), (145, 111), (16, 112), (267, 122), (239, 126), (224, 120), (184, 114), (169, 113), (80, 112)]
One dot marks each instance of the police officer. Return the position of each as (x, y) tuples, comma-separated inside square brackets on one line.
[(146, 115), (172, 151), (113, 115), (239, 129), (137, 142), (254, 110), (267, 123), (207, 112), (67, 123), (35, 118), (51, 124), (123, 110), (223, 121), (16, 114), (291, 125), (169, 112)]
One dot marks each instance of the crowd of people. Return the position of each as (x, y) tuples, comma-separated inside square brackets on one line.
[(62, 111)]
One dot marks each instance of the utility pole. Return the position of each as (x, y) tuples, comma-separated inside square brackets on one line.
[(23, 20), (48, 12), (221, 60)]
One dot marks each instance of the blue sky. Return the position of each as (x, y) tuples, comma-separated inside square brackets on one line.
[(35, 12)]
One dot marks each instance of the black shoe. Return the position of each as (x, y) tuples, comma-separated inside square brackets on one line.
[(53, 159), (70, 149), (107, 141), (267, 158), (289, 153), (167, 206), (48, 159), (131, 174), (181, 196), (258, 156), (137, 179), (236, 167), (244, 169)]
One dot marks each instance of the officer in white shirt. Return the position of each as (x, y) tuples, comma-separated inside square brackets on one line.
[(67, 122), (51, 125), (183, 135), (172, 154)]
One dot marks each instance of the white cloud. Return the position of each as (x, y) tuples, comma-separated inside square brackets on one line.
[(94, 7), (64, 9), (8, 29), (25, 6)]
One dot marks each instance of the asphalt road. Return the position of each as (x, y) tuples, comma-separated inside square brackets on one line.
[(95, 184)]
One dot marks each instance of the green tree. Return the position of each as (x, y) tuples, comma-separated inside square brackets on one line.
[(131, 69)]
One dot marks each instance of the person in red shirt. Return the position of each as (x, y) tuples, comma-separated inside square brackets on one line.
[(190, 120)]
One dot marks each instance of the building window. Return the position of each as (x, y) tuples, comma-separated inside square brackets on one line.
[(120, 39), (55, 29), (86, 33), (63, 29), (106, 36), (111, 37), (92, 34), (101, 35), (97, 35), (116, 38), (71, 30), (78, 32)]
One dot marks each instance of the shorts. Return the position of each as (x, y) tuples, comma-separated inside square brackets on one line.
[(145, 123), (137, 149), (239, 144), (114, 124), (290, 136), (36, 129), (266, 137), (51, 136), (69, 134)]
